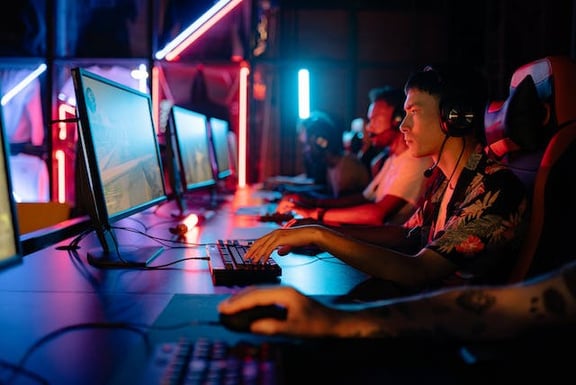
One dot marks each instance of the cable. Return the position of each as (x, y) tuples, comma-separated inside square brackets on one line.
[(429, 170), (19, 367)]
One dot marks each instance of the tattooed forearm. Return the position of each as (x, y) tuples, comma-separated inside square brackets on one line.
[(554, 302), (476, 301)]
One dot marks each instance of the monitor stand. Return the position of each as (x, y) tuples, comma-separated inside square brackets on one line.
[(124, 257), (112, 255)]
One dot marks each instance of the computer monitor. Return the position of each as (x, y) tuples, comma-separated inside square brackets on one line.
[(10, 246), (121, 166), (219, 130), (188, 154)]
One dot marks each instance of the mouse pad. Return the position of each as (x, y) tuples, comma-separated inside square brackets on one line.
[(193, 316)]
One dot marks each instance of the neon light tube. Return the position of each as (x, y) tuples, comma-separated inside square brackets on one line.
[(196, 29), (303, 94), (60, 157), (20, 86), (242, 125)]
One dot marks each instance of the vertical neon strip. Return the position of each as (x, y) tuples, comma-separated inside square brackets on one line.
[(64, 112), (243, 124), (61, 177), (303, 94), (141, 75), (196, 29), (156, 97)]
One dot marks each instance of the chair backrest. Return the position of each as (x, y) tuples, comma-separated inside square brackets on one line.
[(548, 244), (534, 131)]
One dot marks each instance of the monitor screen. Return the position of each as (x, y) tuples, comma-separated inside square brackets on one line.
[(219, 133), (188, 154), (121, 164), (191, 147), (10, 248)]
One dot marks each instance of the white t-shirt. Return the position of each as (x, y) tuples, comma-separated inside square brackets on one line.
[(401, 176)]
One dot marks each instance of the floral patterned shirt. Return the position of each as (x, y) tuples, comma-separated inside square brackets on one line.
[(485, 221)]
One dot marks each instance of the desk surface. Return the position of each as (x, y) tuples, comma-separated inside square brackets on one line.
[(54, 289), (56, 270)]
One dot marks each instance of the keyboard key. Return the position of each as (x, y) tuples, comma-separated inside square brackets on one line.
[(228, 267)]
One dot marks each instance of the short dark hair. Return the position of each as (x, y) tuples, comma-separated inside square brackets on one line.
[(320, 124), (391, 95), (455, 82)]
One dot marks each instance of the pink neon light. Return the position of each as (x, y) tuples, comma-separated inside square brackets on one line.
[(242, 124), (201, 30)]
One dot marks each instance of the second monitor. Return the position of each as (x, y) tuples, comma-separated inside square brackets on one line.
[(220, 133), (189, 162)]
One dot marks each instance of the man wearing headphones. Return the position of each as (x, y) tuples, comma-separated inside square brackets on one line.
[(468, 228), (398, 183), (335, 173)]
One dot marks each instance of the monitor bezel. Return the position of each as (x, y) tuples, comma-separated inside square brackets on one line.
[(16, 257), (220, 173)]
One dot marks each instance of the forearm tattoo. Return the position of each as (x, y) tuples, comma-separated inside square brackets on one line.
[(476, 301), (553, 302)]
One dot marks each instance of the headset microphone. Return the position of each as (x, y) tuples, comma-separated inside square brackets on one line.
[(428, 172)]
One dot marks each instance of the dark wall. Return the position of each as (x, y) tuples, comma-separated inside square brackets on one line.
[(352, 46)]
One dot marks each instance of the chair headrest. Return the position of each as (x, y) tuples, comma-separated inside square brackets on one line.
[(540, 102), (518, 122), (555, 81)]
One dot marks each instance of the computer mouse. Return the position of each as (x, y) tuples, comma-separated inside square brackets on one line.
[(241, 320)]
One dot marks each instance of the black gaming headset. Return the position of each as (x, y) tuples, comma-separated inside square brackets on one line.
[(457, 117), (459, 103)]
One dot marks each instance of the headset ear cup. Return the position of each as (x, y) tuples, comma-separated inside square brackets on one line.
[(457, 119)]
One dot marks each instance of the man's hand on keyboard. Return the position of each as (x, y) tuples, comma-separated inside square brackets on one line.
[(283, 241)]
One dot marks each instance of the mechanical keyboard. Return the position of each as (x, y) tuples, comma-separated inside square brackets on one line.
[(227, 265), (213, 361)]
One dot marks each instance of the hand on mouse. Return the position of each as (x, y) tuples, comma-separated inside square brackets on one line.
[(306, 316)]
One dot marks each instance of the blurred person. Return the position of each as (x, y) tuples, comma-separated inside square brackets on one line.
[(398, 185), (470, 225), (334, 172)]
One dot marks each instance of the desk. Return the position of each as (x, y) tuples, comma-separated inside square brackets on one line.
[(55, 270), (54, 288)]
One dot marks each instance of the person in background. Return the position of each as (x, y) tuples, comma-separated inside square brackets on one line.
[(399, 182), (357, 141), (470, 224), (545, 303), (326, 163)]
